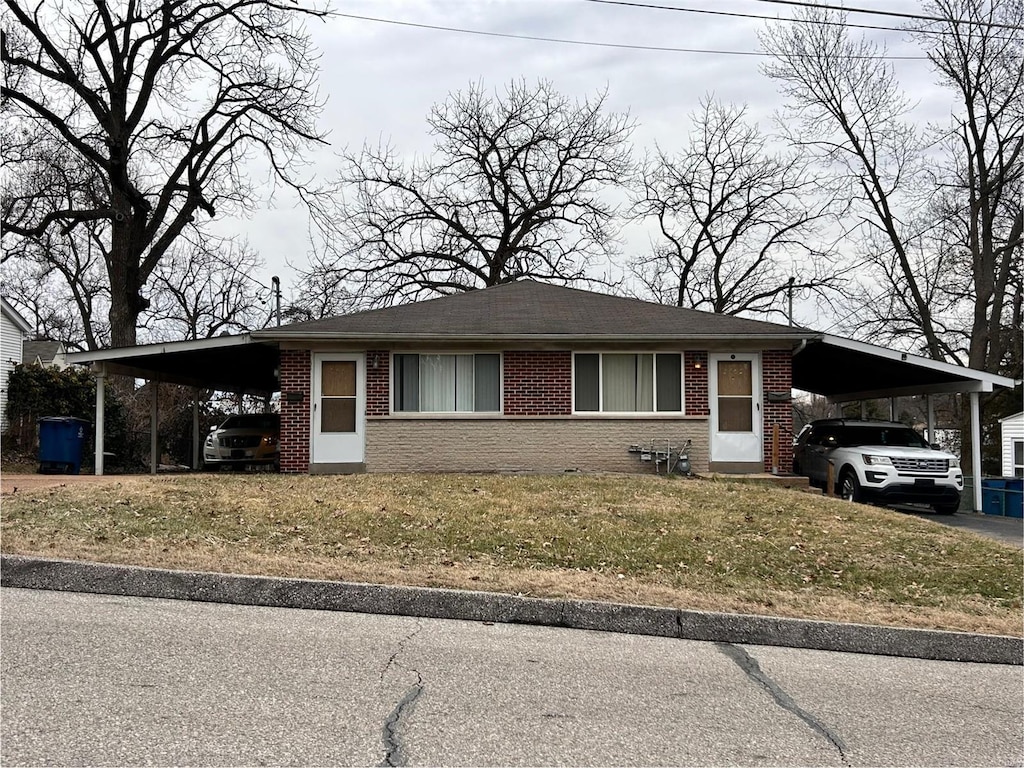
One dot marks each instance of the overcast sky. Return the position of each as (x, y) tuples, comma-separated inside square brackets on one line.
[(380, 78)]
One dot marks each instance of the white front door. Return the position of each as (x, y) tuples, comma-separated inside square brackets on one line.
[(339, 408), (734, 391)]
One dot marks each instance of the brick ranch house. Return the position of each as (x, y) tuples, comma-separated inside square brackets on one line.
[(527, 376)]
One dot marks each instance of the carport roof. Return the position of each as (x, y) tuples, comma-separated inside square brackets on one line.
[(226, 363), (843, 370)]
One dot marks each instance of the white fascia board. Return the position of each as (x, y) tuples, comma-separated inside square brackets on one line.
[(146, 350), (989, 379), (1011, 417), (15, 316)]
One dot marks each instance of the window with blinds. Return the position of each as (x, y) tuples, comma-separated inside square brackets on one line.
[(444, 383)]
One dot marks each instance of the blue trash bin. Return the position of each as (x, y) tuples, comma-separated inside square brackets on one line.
[(1013, 494), (61, 440)]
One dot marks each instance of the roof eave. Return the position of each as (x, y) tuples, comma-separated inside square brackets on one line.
[(320, 336)]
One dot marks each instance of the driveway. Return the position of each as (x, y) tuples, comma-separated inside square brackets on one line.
[(1009, 530)]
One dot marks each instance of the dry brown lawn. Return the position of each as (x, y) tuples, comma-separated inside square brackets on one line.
[(683, 543)]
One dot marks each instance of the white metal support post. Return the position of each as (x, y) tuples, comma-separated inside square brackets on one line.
[(976, 448), (930, 409), (154, 414), (101, 378)]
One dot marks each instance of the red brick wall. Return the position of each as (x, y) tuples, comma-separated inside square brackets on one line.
[(538, 383), (295, 378), (378, 367), (695, 381), (777, 376)]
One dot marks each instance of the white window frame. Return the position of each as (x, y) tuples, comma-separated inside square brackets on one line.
[(1016, 470), (654, 380), (446, 414)]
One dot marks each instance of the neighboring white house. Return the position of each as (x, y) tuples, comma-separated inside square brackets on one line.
[(13, 329), (49, 354), (1011, 431)]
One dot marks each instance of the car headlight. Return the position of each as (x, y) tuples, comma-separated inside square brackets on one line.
[(872, 459), (954, 463), (270, 440), (209, 441)]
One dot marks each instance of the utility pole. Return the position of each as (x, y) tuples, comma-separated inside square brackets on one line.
[(791, 281), (277, 298)]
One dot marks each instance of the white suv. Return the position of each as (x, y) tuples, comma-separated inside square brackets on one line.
[(879, 461)]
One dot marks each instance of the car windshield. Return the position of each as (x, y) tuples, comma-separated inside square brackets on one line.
[(904, 437), (267, 421)]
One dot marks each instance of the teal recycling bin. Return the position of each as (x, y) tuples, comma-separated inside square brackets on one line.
[(61, 440)]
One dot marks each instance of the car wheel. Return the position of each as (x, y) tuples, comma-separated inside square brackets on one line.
[(946, 508), (849, 487)]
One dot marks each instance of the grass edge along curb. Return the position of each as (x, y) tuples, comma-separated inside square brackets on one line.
[(101, 578)]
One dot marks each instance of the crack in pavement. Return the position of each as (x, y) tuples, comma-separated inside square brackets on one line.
[(749, 665), (401, 647), (394, 753)]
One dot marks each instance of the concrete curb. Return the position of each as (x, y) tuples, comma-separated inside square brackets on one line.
[(74, 576)]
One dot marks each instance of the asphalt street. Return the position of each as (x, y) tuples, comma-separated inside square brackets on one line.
[(114, 680)]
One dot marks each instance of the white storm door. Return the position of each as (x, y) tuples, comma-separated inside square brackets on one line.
[(339, 408), (734, 391)]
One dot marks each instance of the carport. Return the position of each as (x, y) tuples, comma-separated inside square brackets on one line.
[(844, 370), (236, 364), (840, 369)]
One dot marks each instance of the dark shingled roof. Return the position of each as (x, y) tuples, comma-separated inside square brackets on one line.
[(527, 309), (44, 351)]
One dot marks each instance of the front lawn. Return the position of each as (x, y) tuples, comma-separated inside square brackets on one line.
[(676, 542)]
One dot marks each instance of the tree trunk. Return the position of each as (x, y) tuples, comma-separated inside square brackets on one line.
[(123, 271)]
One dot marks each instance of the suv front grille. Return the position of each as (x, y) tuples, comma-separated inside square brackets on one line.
[(248, 441), (920, 465)]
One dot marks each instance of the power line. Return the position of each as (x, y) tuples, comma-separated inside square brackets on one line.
[(736, 14), (894, 14), (591, 43)]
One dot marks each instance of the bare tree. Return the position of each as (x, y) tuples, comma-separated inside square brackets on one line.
[(205, 288), (160, 104), (978, 52), (514, 188), (941, 228), (41, 294), (736, 220)]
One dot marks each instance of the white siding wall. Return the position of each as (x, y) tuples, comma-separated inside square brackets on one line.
[(10, 354), (1011, 428)]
